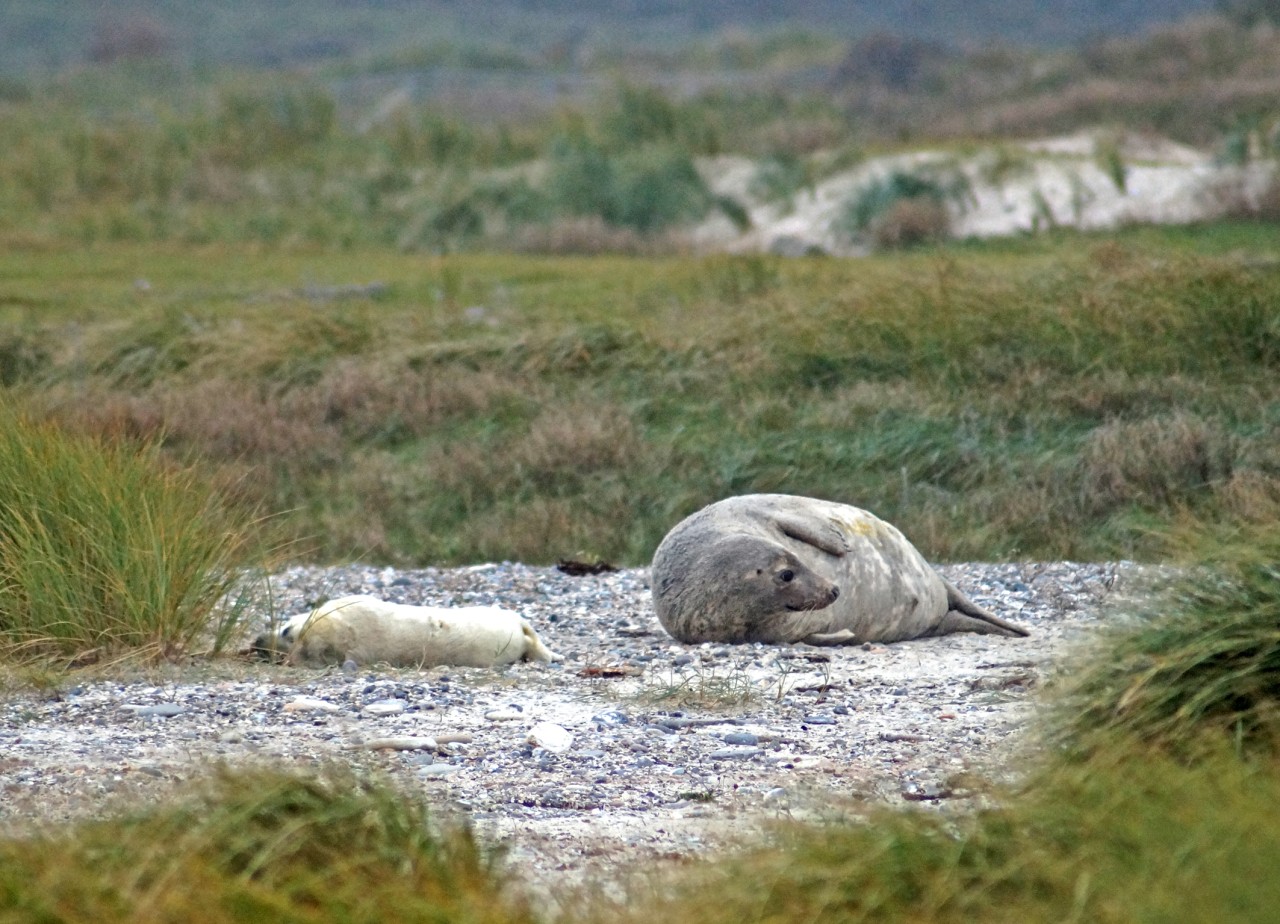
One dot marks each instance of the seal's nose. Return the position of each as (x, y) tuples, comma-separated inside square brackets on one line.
[(835, 592)]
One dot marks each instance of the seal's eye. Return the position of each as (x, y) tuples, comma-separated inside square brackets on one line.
[(787, 576)]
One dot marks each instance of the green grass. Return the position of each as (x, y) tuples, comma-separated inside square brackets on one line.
[(930, 388), (149, 150), (1065, 396), (111, 551), (273, 160), (1202, 661), (260, 845), (1062, 397)]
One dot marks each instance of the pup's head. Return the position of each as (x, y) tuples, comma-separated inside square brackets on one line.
[(274, 645)]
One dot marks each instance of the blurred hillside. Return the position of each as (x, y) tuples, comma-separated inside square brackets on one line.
[(421, 129), (40, 37)]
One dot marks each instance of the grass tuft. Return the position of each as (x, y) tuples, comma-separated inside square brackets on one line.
[(261, 845), (1156, 460), (701, 688), (1205, 663), (109, 550)]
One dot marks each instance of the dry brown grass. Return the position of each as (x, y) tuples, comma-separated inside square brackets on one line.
[(1155, 461), (579, 436), (553, 489), (1119, 393), (910, 223), (1188, 80), (1250, 496), (369, 400), (1056, 399), (279, 433)]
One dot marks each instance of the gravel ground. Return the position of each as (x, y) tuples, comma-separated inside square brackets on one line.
[(636, 747)]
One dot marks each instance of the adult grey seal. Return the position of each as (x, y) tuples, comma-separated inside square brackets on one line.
[(781, 568)]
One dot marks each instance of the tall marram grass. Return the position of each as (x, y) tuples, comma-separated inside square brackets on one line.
[(259, 846), (108, 549), (1203, 662)]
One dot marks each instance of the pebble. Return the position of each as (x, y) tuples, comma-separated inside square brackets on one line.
[(741, 738), (676, 722), (437, 770), (925, 792), (735, 753), (384, 707), (550, 737), (401, 744), (164, 710), (453, 738), (310, 704), (503, 715)]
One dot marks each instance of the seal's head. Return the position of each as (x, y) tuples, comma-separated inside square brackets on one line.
[(273, 645), (293, 638), (740, 588)]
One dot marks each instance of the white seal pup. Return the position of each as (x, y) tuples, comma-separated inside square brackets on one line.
[(367, 630), (780, 568)]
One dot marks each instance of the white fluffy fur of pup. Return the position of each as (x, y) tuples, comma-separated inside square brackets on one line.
[(367, 630)]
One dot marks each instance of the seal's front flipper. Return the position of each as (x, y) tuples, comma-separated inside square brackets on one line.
[(831, 639), (812, 531), (964, 615)]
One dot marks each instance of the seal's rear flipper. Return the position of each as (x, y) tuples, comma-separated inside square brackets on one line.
[(534, 649), (956, 621), (963, 615)]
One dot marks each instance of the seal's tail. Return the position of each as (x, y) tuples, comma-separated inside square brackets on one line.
[(966, 616)]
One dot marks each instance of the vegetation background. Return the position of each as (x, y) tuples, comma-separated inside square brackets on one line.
[(356, 280), (288, 275)]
